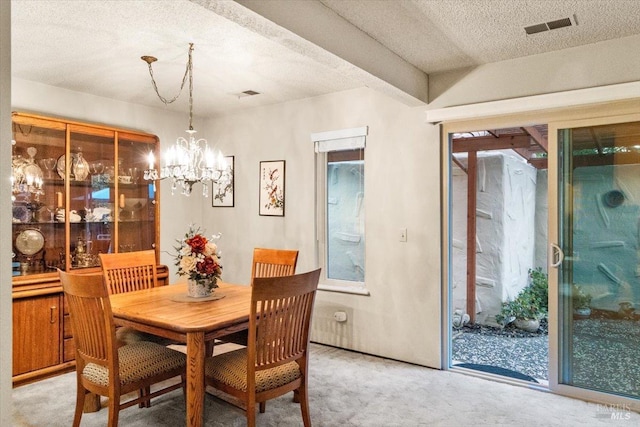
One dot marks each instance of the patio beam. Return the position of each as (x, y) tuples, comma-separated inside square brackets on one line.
[(485, 143), (472, 184)]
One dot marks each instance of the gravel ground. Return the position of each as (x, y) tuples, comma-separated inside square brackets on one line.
[(509, 348), (606, 355), (605, 352)]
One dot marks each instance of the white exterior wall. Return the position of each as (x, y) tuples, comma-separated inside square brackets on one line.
[(505, 232), (542, 219)]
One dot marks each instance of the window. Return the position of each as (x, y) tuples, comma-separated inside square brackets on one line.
[(341, 209)]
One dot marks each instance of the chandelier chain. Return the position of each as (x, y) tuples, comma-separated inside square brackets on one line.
[(190, 69), (187, 72)]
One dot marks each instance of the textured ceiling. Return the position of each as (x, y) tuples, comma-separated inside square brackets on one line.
[(95, 46), (440, 35)]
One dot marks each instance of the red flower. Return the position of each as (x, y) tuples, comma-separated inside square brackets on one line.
[(197, 243), (207, 266)]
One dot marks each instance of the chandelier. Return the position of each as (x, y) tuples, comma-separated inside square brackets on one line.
[(189, 160)]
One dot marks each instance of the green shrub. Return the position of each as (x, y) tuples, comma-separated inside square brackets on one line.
[(532, 302), (580, 299)]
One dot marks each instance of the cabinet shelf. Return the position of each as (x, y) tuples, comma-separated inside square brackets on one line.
[(37, 294)]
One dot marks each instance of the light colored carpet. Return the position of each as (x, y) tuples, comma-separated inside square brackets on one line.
[(346, 389)]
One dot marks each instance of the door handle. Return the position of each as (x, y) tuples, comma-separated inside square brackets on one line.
[(556, 256)]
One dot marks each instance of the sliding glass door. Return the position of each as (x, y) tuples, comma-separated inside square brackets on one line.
[(597, 256)]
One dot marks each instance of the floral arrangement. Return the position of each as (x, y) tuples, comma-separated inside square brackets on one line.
[(198, 258)]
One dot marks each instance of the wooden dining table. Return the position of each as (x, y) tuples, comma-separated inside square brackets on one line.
[(167, 312)]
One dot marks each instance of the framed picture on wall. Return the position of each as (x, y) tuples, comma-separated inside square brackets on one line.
[(271, 202), (223, 191)]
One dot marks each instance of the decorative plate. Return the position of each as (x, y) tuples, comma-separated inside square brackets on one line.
[(21, 214), (30, 241)]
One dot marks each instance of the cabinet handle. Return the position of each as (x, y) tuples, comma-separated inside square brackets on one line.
[(53, 311)]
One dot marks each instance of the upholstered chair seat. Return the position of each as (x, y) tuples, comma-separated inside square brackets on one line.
[(137, 362), (231, 369)]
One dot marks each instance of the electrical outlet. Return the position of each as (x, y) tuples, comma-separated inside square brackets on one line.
[(403, 234), (340, 316)]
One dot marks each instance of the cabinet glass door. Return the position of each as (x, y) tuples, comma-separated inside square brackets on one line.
[(599, 234), (90, 209), (37, 191), (136, 197)]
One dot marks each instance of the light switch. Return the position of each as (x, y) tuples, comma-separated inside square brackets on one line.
[(403, 234)]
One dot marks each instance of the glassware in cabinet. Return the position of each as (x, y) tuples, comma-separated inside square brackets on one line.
[(77, 189), (91, 194), (137, 198), (38, 239)]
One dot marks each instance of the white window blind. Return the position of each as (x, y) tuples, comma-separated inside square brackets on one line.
[(336, 140)]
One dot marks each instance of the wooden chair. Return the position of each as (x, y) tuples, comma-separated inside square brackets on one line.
[(104, 368), (266, 263), (126, 272), (129, 271), (276, 358), (273, 263)]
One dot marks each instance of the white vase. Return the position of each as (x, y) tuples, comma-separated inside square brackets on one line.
[(529, 325), (581, 313), (199, 288)]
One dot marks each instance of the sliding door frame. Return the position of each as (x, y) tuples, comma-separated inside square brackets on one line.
[(555, 334), (551, 116)]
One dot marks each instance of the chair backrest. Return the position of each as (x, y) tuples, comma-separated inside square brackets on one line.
[(273, 263), (129, 271), (91, 320), (280, 318)]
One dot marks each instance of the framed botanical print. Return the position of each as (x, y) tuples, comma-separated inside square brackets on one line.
[(223, 190), (271, 201)]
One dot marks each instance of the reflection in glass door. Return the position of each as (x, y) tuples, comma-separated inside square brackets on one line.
[(599, 279)]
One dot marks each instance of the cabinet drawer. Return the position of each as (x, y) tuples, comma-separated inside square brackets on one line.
[(69, 351)]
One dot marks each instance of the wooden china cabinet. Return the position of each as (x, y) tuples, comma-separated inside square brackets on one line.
[(77, 190)]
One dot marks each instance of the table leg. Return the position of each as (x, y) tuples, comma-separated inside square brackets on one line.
[(195, 378)]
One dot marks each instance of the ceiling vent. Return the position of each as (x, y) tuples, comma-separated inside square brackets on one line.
[(248, 93), (551, 25)]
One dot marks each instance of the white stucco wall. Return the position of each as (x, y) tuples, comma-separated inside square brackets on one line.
[(401, 190), (606, 238), (505, 231), (542, 219)]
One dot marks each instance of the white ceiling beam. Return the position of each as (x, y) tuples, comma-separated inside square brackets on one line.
[(312, 29), (526, 104)]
